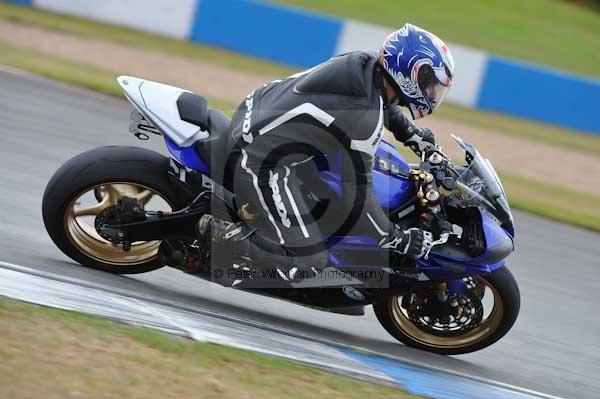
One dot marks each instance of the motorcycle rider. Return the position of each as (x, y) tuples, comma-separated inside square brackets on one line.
[(337, 107)]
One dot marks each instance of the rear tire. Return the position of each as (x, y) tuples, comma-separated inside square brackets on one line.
[(500, 280), (105, 165)]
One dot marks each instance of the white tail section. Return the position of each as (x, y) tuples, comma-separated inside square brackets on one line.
[(158, 103)]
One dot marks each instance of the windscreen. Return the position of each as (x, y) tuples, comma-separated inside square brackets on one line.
[(479, 185)]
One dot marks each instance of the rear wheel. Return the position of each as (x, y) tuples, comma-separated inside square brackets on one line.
[(489, 309), (95, 180)]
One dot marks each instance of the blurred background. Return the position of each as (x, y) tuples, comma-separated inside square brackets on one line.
[(526, 93)]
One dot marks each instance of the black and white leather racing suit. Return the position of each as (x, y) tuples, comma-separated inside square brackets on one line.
[(337, 108)]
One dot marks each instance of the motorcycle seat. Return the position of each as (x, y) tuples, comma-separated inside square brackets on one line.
[(194, 109), (215, 146)]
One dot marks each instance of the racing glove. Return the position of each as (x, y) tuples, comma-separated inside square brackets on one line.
[(420, 140), (412, 242), (406, 132)]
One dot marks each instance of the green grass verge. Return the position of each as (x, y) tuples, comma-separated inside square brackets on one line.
[(552, 202), (54, 353), (138, 39), (548, 32), (538, 198)]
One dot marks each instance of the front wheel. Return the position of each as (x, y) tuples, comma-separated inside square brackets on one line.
[(493, 301), (94, 181)]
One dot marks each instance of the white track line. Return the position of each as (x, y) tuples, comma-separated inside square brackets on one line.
[(269, 327)]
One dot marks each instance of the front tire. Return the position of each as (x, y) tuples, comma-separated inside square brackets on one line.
[(109, 173), (505, 292)]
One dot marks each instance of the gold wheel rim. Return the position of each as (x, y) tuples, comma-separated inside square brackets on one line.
[(87, 240), (485, 328)]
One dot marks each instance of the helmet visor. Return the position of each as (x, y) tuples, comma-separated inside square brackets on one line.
[(434, 84)]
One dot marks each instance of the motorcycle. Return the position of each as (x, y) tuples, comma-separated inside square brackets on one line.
[(129, 210)]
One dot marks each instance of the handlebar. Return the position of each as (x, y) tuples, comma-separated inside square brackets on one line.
[(435, 180)]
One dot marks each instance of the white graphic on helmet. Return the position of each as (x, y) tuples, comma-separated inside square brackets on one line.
[(426, 51), (444, 52), (388, 45), (400, 54), (409, 88), (404, 52), (403, 31)]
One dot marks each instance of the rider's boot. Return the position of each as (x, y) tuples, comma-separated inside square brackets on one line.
[(233, 242), (229, 247), (220, 231)]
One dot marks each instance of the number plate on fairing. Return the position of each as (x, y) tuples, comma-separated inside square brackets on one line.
[(141, 127)]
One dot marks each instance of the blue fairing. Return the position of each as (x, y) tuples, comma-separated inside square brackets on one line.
[(499, 244), (494, 234), (188, 156), (391, 190), (386, 150)]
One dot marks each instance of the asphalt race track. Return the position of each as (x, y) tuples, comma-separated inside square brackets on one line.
[(554, 348)]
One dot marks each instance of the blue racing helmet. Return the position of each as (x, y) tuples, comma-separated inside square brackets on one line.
[(420, 66)]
